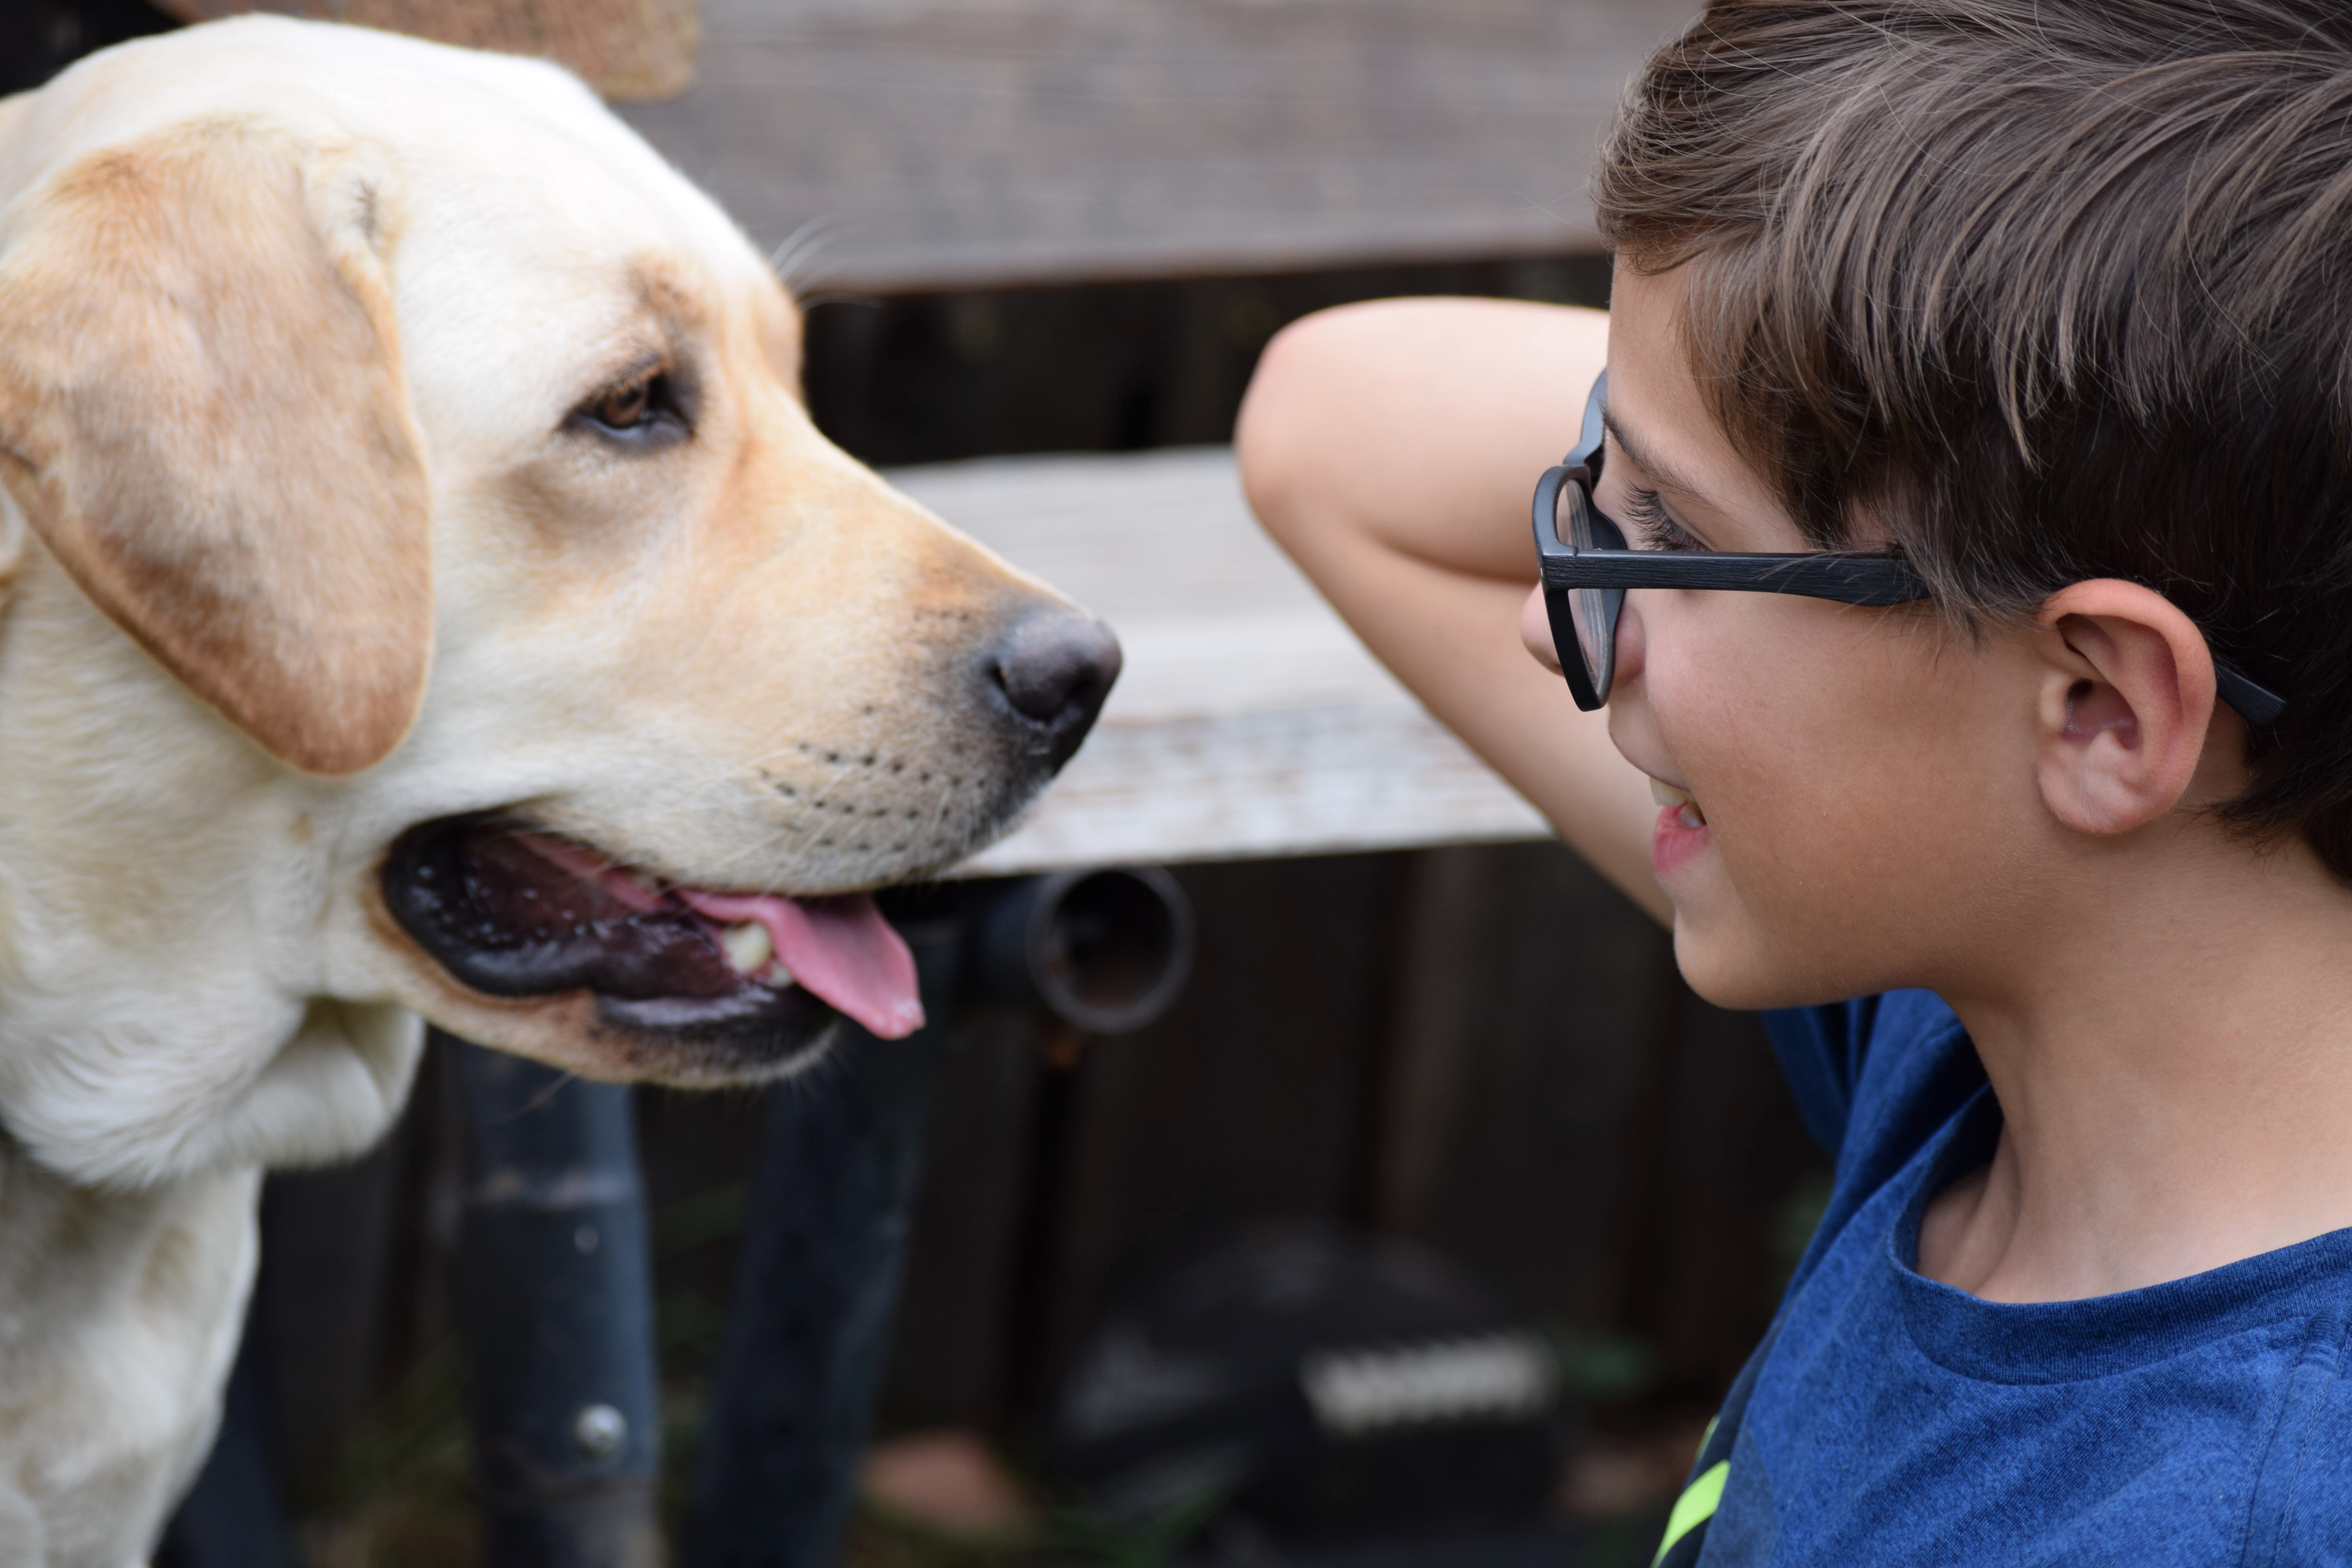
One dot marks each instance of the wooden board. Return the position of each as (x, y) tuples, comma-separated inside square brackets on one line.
[(627, 49), (935, 144), (1249, 720)]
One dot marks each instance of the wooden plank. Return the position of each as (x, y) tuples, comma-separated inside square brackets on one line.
[(937, 143), (1249, 722), (624, 49), (1244, 787)]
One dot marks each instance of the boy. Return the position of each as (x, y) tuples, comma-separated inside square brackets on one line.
[(2039, 307)]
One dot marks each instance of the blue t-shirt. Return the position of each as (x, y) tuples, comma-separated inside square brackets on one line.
[(1890, 1419)]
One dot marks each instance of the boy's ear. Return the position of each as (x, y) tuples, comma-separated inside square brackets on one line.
[(2127, 698)]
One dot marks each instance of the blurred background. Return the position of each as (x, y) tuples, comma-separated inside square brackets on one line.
[(1430, 1081)]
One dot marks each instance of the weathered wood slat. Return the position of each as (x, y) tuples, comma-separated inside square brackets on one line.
[(1250, 722), (962, 143), (1315, 782)]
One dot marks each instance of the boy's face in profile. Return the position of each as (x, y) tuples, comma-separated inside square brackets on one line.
[(1869, 794)]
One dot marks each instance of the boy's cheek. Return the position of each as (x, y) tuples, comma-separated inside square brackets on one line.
[(1794, 906), (1851, 798), (1786, 907)]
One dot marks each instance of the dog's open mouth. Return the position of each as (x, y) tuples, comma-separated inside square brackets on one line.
[(513, 911)]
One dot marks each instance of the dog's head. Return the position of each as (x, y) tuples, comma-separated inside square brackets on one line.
[(424, 589)]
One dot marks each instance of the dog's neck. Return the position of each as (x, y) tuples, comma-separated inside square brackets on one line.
[(119, 1314)]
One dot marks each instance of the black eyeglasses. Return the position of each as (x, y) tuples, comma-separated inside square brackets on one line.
[(1586, 573)]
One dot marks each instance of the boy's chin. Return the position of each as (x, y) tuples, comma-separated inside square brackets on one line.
[(1727, 963)]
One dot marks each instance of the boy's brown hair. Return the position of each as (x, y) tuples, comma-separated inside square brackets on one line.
[(2048, 289)]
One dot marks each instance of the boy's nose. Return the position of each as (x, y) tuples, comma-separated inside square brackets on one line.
[(1535, 632), (1630, 640)]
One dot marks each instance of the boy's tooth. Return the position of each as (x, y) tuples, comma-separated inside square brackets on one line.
[(748, 947), (1665, 794)]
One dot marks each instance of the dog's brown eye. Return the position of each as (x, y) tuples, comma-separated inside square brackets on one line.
[(648, 411), (626, 409)]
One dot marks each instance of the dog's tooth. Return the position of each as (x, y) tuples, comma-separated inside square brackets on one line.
[(748, 946), (775, 976)]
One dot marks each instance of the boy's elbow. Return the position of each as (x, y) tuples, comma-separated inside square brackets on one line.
[(1270, 439), (1288, 439)]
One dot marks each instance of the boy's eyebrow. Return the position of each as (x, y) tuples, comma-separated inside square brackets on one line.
[(1661, 476)]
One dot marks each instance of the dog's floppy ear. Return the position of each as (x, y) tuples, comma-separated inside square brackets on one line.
[(203, 415)]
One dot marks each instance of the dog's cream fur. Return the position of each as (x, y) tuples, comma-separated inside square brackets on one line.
[(297, 549)]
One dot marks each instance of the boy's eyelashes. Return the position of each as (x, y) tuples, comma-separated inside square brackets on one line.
[(1655, 527)]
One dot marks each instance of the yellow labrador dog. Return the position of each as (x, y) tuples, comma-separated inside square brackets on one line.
[(422, 591)]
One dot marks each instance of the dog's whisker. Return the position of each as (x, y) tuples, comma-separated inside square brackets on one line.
[(792, 260)]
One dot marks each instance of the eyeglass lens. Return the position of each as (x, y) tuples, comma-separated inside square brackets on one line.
[(1593, 611)]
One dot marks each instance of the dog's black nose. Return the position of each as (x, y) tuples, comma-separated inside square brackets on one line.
[(1055, 667)]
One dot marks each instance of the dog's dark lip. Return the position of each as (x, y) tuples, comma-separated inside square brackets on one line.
[(502, 920)]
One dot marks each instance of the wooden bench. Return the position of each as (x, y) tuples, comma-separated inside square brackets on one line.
[(1249, 722), (955, 143)]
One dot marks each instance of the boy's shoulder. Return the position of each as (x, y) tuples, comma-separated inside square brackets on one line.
[(1890, 1417)]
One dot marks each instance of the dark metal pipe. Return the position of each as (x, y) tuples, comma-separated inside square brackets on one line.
[(1106, 951), (817, 1283), (557, 1314), (816, 1288)]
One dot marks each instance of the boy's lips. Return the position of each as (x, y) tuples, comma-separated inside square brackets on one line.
[(1681, 831)]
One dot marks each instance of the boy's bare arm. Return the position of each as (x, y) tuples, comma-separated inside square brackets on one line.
[(1391, 448)]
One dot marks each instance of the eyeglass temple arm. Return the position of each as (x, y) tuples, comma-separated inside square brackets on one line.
[(1851, 579), (1588, 438), (2255, 702)]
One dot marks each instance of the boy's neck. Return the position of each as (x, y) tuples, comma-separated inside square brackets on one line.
[(2173, 1059)]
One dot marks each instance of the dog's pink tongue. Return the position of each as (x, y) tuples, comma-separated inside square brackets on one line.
[(841, 948)]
